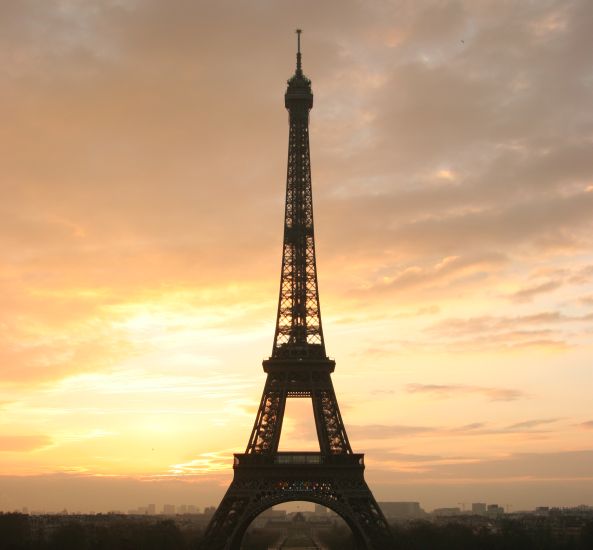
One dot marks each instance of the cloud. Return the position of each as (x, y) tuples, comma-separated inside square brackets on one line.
[(529, 424), (449, 390), (205, 464), (528, 341), (534, 468), (569, 464), (23, 443), (580, 275), (448, 271), (30, 357), (385, 431), (407, 457), (460, 327), (390, 431), (526, 294), (544, 329), (136, 99), (538, 221)]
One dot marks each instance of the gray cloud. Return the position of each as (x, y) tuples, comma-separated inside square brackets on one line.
[(135, 80)]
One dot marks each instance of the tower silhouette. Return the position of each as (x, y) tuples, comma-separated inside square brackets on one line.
[(298, 368)]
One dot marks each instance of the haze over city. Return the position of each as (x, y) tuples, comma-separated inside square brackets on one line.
[(143, 179)]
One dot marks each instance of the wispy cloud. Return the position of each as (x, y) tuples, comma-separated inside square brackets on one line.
[(204, 464), (493, 324), (386, 431), (23, 443), (579, 276), (392, 431), (449, 390), (545, 329), (530, 424), (450, 270), (526, 294), (533, 467)]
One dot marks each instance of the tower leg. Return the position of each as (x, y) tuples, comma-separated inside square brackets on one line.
[(328, 420), (265, 436)]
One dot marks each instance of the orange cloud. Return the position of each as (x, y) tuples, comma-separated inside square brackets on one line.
[(23, 443), (448, 390)]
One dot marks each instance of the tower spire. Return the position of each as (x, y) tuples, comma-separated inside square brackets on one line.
[(299, 69)]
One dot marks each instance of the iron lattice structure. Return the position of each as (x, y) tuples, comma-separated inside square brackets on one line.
[(298, 324), (298, 368)]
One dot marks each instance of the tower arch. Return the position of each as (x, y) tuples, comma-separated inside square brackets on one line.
[(237, 537)]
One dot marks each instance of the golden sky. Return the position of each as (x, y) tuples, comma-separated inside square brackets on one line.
[(143, 152)]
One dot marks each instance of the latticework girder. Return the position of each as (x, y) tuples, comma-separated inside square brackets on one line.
[(298, 325)]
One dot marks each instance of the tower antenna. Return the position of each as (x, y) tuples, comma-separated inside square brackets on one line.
[(298, 32)]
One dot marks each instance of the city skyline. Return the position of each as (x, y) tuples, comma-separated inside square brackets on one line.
[(144, 172)]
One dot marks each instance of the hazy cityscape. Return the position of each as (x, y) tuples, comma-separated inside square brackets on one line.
[(169, 526), (391, 509)]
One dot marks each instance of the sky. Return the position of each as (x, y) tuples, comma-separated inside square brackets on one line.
[(143, 149)]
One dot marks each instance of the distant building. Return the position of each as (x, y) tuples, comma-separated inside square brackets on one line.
[(494, 510), (271, 518), (401, 509), (151, 510), (169, 509), (141, 511), (273, 513), (209, 510), (445, 512), (187, 509), (479, 508)]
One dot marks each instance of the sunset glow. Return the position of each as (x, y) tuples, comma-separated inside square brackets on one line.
[(143, 173)]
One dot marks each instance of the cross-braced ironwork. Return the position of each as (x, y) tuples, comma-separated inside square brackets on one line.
[(298, 368), (298, 324)]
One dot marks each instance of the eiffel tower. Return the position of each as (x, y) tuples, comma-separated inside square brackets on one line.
[(298, 368)]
